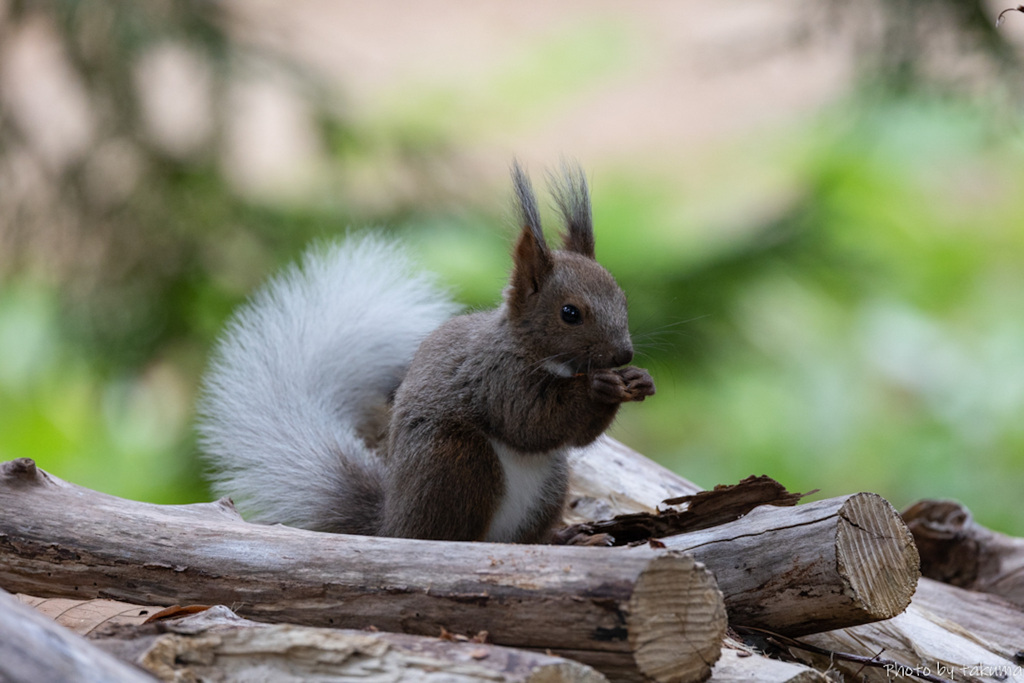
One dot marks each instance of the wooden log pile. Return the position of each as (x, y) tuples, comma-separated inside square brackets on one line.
[(946, 633), (630, 612), (641, 594)]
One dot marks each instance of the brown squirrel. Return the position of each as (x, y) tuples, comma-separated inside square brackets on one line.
[(341, 399)]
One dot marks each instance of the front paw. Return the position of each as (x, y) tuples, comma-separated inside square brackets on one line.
[(621, 385), (607, 386), (639, 384)]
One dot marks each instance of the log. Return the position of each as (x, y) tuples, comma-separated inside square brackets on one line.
[(956, 549), (943, 626), (34, 648), (217, 645), (204, 648), (998, 622), (631, 612), (608, 479), (926, 641), (810, 568), (792, 570)]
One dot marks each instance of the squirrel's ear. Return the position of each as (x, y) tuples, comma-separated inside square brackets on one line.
[(532, 263), (573, 199)]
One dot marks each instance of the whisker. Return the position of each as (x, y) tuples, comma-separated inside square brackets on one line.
[(665, 337)]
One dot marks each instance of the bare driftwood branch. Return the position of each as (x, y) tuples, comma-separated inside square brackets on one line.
[(955, 549), (34, 648), (792, 570), (216, 645), (628, 611)]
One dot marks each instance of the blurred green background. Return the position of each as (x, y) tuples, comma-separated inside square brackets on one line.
[(815, 209)]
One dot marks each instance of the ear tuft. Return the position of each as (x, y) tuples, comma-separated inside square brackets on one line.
[(572, 196), (531, 261), (526, 204)]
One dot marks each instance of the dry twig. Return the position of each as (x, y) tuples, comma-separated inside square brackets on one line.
[(1000, 18)]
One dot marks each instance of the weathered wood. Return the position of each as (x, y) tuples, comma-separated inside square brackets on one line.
[(608, 479), (792, 570), (217, 645), (741, 666), (702, 510), (956, 549), (34, 648), (943, 630), (810, 568), (926, 639), (998, 622), (638, 611)]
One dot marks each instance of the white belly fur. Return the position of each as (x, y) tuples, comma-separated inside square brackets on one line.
[(530, 478)]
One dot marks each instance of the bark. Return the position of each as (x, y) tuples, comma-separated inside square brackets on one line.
[(217, 645), (629, 611), (792, 570), (810, 568), (34, 648), (698, 511), (946, 632), (955, 549)]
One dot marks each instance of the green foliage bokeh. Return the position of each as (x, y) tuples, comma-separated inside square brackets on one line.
[(837, 306)]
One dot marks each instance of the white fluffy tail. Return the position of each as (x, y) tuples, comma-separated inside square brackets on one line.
[(300, 375)]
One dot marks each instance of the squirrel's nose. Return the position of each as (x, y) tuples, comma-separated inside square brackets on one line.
[(622, 356)]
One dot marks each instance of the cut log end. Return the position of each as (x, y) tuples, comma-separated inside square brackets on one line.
[(676, 619), (876, 554)]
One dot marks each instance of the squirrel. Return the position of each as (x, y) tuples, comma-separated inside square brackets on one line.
[(347, 395)]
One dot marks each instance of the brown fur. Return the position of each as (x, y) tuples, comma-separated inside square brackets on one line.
[(519, 375)]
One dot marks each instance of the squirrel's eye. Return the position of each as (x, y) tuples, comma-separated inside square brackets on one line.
[(571, 314)]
